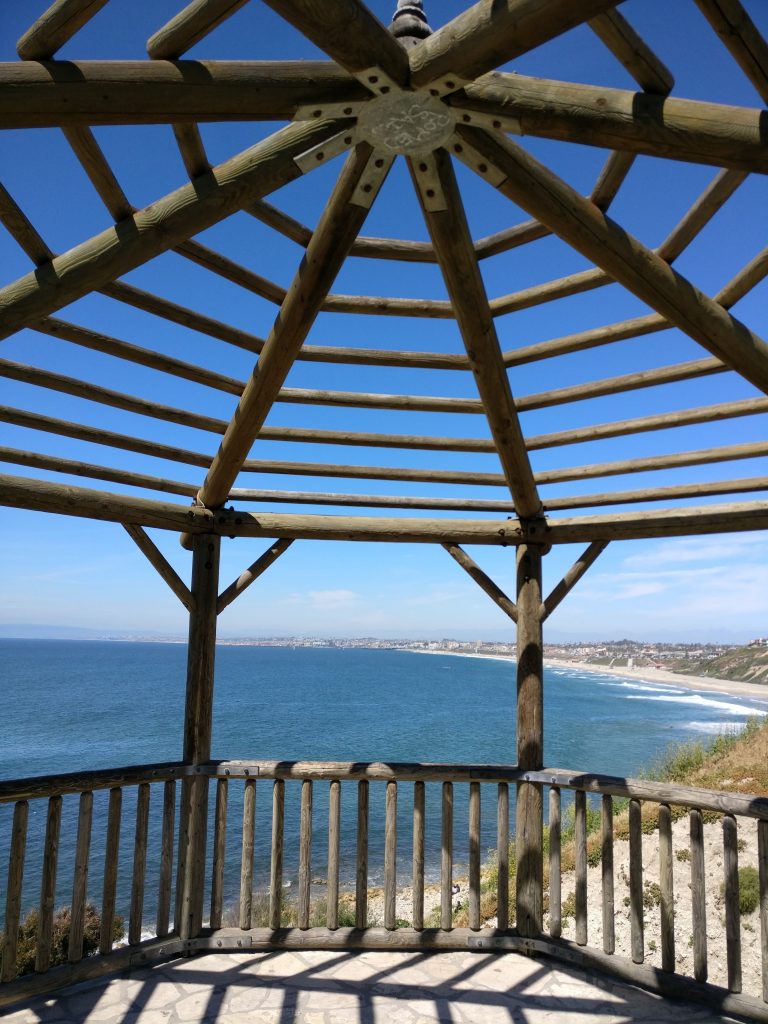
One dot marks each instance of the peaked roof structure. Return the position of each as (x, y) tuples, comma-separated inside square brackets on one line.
[(406, 120)]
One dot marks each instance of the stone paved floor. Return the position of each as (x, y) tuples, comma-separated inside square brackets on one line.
[(358, 988)]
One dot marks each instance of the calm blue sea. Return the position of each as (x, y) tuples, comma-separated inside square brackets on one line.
[(74, 705)]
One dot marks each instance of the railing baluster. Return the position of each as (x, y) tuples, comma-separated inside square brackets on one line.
[(80, 880), (390, 857), (762, 860), (732, 916), (246, 858), (166, 859), (305, 853), (139, 865), (446, 859), (474, 856), (418, 855), (606, 862), (361, 871), (111, 854), (276, 855), (666, 884), (334, 836), (13, 899), (502, 856), (219, 852), (636, 880), (698, 897), (580, 840), (48, 885)]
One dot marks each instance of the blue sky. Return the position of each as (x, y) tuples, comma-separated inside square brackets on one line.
[(74, 572)]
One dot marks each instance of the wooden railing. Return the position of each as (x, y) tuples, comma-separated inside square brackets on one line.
[(61, 827), (317, 828)]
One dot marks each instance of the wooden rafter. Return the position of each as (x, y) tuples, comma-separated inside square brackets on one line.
[(490, 33), (338, 227), (677, 129), (629, 262), (452, 242), (189, 26), (55, 27), (650, 73), (742, 37)]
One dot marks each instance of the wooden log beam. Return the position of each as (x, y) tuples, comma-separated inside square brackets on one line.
[(352, 36), (572, 577), (484, 581), (55, 27), (172, 219), (189, 26), (158, 560), (613, 29), (452, 243), (81, 502), (339, 226), (677, 129), (742, 37), (251, 574), (47, 94), (637, 268), (491, 33)]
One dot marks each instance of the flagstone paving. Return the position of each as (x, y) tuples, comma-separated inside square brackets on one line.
[(311, 987)]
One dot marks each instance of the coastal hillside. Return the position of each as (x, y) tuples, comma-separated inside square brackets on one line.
[(741, 664)]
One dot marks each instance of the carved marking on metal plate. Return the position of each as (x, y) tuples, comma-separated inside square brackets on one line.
[(410, 123)]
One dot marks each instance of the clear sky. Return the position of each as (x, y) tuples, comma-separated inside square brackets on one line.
[(63, 571)]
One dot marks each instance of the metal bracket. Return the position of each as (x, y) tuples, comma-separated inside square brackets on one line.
[(378, 81), (475, 160), (446, 84), (321, 154), (319, 112), (372, 179), (428, 183), (496, 122)]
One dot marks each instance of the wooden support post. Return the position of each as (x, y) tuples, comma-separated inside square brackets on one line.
[(361, 870), (334, 840), (162, 928), (530, 741), (197, 734), (10, 942), (580, 842)]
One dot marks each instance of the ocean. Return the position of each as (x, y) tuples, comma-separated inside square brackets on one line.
[(78, 705)]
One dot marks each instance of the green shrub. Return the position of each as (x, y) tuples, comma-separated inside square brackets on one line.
[(683, 853), (749, 890), (651, 895), (568, 909), (62, 923)]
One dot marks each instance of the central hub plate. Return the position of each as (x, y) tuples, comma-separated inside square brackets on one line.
[(408, 124)]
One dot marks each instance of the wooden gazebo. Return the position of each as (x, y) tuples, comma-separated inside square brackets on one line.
[(435, 100)]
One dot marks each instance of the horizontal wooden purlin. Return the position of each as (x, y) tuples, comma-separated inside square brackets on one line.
[(366, 400), (562, 287), (434, 476), (59, 93), (627, 382), (271, 497), (703, 457), (643, 424), (38, 495), (88, 469), (379, 305), (739, 286), (749, 485), (168, 310), (364, 440), (510, 238), (676, 129), (205, 257), (96, 435)]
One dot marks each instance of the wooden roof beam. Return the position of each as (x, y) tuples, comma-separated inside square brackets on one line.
[(56, 26), (63, 499), (677, 129), (742, 38), (348, 32), (192, 208), (52, 94), (579, 222), (709, 489), (339, 226), (189, 26), (491, 33), (448, 228), (650, 73)]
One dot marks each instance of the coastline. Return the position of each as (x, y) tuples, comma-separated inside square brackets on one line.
[(658, 676)]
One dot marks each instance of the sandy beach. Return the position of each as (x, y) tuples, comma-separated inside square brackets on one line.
[(642, 675)]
